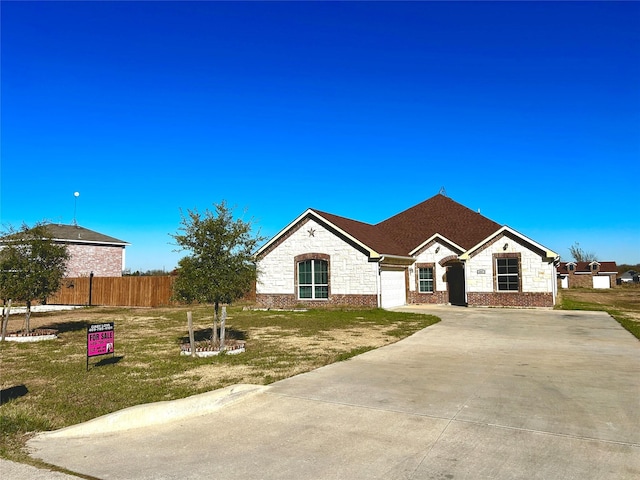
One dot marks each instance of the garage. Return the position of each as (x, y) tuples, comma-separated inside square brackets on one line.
[(393, 290), (601, 281)]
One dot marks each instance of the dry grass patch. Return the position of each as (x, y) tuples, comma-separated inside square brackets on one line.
[(147, 366)]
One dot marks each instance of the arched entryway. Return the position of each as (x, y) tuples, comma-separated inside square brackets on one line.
[(456, 284)]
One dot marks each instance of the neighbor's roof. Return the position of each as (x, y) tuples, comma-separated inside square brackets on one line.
[(585, 267), (78, 234)]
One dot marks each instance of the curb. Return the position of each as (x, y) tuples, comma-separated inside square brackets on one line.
[(158, 413)]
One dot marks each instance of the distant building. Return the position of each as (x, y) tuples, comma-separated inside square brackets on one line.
[(630, 276), (90, 251), (587, 274)]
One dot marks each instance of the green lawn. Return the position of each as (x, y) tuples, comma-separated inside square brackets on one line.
[(55, 389)]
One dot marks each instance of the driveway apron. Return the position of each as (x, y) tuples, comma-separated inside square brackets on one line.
[(484, 394)]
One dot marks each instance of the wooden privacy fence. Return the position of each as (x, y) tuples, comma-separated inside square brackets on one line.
[(147, 291)]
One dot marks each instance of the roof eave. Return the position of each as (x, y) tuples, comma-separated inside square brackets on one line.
[(433, 237), (549, 254), (309, 212), (92, 242), (396, 260)]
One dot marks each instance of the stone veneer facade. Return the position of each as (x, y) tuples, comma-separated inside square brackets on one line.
[(537, 275), (354, 279), (356, 284)]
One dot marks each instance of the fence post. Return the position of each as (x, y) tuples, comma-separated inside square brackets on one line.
[(90, 286)]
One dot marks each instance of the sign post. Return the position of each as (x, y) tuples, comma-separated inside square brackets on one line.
[(100, 340)]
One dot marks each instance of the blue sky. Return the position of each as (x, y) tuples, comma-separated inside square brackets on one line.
[(527, 111)]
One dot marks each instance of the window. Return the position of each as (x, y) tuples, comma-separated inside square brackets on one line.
[(425, 280), (507, 274), (571, 267), (313, 279)]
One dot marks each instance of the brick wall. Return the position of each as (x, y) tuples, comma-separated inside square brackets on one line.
[(586, 280), (291, 301), (510, 299), (102, 260), (437, 297)]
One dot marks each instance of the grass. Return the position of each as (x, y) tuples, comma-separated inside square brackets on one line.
[(53, 388), (621, 302)]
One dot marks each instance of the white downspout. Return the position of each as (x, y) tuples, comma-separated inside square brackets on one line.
[(379, 282), (466, 271)]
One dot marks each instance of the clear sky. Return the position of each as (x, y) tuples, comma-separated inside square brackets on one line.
[(527, 111)]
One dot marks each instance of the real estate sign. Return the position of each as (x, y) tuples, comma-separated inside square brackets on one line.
[(100, 339)]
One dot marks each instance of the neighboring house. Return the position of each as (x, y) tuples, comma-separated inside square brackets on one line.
[(630, 276), (438, 251), (587, 274), (90, 251)]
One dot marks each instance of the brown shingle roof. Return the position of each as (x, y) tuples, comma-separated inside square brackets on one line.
[(366, 233), (440, 215), (78, 234), (585, 267), (402, 233)]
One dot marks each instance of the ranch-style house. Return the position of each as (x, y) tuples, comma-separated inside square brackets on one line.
[(438, 251)]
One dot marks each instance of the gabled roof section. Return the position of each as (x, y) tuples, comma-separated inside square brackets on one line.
[(364, 233), (508, 231), (78, 234), (404, 234), (433, 238), (352, 230), (439, 214)]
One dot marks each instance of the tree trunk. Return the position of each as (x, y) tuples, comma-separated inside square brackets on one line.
[(27, 318), (223, 321), (192, 341), (6, 310)]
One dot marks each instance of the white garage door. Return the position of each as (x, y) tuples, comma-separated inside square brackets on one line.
[(392, 288), (601, 281)]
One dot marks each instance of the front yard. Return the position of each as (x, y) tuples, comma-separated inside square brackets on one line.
[(53, 388)]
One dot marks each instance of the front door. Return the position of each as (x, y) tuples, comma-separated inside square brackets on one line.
[(455, 284)]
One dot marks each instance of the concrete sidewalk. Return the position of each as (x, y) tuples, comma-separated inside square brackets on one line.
[(485, 394)]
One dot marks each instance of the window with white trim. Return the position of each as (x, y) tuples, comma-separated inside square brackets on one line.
[(508, 274), (425, 279), (313, 279)]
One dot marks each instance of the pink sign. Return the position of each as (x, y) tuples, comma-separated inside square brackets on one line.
[(100, 339)]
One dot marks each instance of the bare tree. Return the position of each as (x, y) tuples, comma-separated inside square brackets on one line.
[(580, 255)]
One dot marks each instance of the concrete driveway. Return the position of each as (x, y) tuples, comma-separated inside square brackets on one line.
[(484, 394)]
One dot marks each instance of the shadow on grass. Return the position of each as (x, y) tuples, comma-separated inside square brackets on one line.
[(11, 393), (108, 361), (63, 327), (205, 334)]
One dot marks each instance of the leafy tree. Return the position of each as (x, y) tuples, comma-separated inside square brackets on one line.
[(220, 267), (155, 272), (31, 265), (579, 255)]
